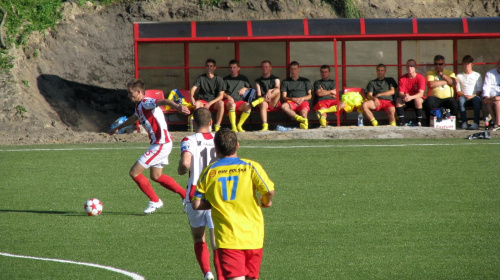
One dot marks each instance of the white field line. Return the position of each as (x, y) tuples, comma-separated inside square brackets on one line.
[(134, 276), (257, 147)]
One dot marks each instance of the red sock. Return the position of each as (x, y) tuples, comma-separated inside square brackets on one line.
[(170, 184), (146, 187), (201, 252), (218, 268)]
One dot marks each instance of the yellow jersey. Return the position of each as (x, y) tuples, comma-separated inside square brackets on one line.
[(442, 91), (231, 185)]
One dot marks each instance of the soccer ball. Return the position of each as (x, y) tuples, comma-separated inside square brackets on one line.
[(93, 207)]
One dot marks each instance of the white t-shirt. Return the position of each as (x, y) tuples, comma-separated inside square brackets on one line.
[(153, 120), (491, 86), (202, 148), (469, 84)]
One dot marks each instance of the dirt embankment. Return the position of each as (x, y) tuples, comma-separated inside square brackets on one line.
[(68, 84)]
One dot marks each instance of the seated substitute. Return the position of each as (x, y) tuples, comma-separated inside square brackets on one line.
[(380, 95), (411, 87), (236, 85), (491, 94), (326, 96), (210, 93), (441, 94), (296, 91), (268, 93), (469, 90)]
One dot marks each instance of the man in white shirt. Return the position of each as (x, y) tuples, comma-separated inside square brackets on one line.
[(491, 94), (469, 89)]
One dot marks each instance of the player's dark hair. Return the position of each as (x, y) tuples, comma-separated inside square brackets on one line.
[(325, 67), (136, 84), (234, 61), (467, 59), (294, 63), (439, 57), (266, 61), (202, 117), (210, 60), (381, 65), (226, 142)]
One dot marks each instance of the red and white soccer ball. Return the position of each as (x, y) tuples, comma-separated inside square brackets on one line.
[(93, 207)]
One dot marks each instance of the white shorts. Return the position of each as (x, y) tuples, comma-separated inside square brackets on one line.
[(199, 218), (156, 155)]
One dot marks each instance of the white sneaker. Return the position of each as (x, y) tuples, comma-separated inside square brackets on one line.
[(474, 126), (465, 125), (152, 206), (209, 276)]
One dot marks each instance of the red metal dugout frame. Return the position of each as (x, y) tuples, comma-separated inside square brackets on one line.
[(313, 30)]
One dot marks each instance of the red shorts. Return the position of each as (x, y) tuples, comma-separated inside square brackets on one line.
[(276, 108), (237, 263), (211, 107), (384, 105), (325, 104), (297, 108), (238, 104)]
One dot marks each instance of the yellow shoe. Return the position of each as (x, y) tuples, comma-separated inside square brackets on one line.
[(322, 121), (304, 125), (265, 127), (240, 129), (392, 123), (374, 122), (234, 129), (300, 119), (216, 127)]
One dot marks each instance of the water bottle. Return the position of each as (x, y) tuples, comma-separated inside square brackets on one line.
[(360, 119), (117, 123), (282, 128)]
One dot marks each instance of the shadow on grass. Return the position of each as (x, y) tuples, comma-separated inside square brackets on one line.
[(81, 214)]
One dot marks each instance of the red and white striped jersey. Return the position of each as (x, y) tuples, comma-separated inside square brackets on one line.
[(152, 119), (202, 148)]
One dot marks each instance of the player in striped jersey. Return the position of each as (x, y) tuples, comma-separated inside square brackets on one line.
[(153, 120), (228, 187), (198, 151)]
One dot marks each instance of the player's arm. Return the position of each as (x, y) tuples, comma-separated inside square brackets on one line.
[(191, 94), (179, 107), (199, 203), (389, 92), (266, 200), (184, 163), (308, 96), (258, 91), (130, 121)]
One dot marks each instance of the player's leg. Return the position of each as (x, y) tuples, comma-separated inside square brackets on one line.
[(390, 111), (253, 263), (419, 105), (143, 182), (263, 115), (219, 106), (368, 106), (166, 181), (400, 111), (230, 107), (245, 108), (303, 111)]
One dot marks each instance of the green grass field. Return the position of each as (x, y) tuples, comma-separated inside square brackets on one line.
[(344, 209)]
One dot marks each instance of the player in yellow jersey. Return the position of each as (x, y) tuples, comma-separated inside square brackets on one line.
[(228, 186)]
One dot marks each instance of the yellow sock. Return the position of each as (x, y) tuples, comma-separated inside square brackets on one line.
[(392, 123), (232, 120), (300, 119), (257, 101), (374, 122), (332, 109), (265, 126), (244, 116), (216, 127)]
